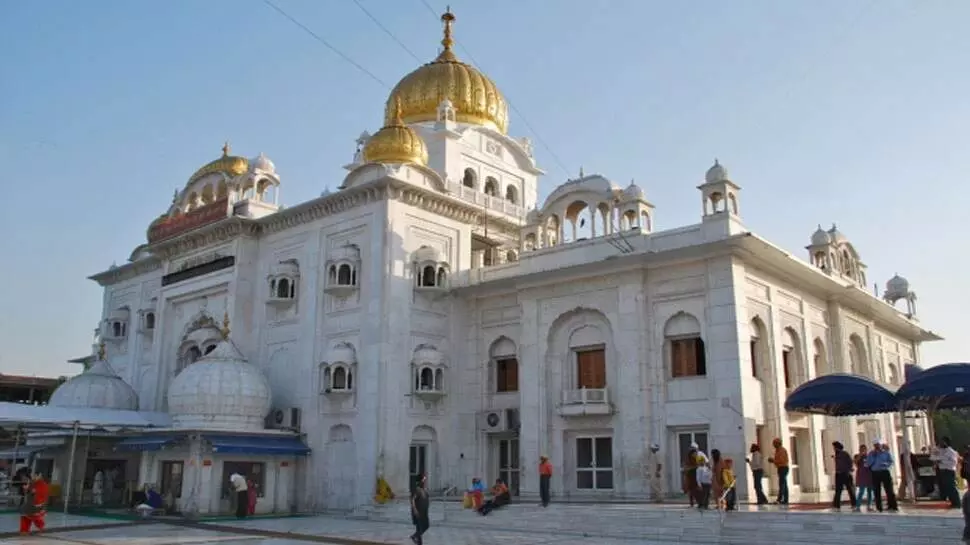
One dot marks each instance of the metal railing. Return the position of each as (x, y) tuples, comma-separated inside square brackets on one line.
[(586, 396)]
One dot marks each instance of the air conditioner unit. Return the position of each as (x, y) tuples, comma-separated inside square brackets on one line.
[(493, 421), (284, 419)]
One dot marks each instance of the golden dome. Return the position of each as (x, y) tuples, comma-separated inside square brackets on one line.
[(227, 164), (396, 143), (475, 98)]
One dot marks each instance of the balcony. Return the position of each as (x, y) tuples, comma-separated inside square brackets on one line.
[(476, 197), (586, 402)]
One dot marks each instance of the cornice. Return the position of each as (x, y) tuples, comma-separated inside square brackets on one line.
[(385, 188)]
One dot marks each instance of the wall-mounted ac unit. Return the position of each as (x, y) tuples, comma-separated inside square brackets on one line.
[(284, 419), (493, 421)]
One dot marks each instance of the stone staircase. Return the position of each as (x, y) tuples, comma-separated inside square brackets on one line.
[(680, 524)]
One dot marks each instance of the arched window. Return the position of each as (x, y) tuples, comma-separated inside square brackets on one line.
[(283, 288), (428, 276), (339, 378), (512, 194), (194, 354), (441, 277), (425, 379), (345, 276), (116, 329), (209, 348), (491, 187), (686, 352), (469, 179), (149, 320)]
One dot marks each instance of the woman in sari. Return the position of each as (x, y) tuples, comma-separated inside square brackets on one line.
[(251, 497), (717, 479)]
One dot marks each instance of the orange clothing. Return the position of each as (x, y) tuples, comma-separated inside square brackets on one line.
[(545, 468), (500, 489), (781, 457), (42, 492)]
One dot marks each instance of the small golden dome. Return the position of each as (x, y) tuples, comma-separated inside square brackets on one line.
[(396, 143), (227, 164), (475, 98)]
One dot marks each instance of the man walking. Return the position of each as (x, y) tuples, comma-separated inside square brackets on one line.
[(545, 478), (947, 459), (420, 510), (843, 476)]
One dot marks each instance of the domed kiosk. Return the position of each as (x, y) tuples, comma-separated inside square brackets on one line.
[(97, 388), (221, 407)]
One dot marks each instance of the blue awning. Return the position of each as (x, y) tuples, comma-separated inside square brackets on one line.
[(944, 386), (145, 443), (841, 395), (249, 444), (912, 371)]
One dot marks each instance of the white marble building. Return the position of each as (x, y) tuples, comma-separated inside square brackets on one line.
[(432, 314)]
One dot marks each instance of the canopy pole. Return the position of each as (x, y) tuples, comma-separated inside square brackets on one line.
[(907, 455), (16, 453), (70, 468)]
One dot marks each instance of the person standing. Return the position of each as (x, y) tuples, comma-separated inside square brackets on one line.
[(843, 476), (97, 489), (250, 497), (420, 506), (545, 479), (946, 459), (880, 461), (782, 463), (241, 492), (653, 470), (756, 461), (33, 511), (863, 479)]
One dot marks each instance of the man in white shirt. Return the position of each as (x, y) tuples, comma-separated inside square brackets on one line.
[(947, 460), (241, 490)]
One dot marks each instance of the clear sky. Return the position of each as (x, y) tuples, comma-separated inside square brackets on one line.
[(848, 111)]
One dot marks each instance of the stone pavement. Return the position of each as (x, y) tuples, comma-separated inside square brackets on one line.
[(523, 524)]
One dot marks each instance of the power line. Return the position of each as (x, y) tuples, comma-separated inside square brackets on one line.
[(327, 44), (386, 30), (525, 121)]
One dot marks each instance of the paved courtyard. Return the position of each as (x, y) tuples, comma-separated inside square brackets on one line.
[(516, 525)]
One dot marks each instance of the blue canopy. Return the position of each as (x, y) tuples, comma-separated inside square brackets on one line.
[(944, 386), (145, 443), (912, 371), (252, 444), (841, 395)]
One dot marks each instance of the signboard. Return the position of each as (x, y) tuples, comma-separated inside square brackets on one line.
[(176, 225)]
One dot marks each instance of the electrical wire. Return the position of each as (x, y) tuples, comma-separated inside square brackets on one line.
[(525, 121), (327, 44), (386, 30)]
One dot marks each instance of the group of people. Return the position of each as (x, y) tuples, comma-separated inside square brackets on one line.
[(705, 477), (244, 495)]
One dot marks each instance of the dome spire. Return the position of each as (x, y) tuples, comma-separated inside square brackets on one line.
[(446, 54), (226, 149), (225, 326), (396, 121)]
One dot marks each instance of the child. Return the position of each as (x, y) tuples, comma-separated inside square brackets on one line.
[(727, 477), (704, 478)]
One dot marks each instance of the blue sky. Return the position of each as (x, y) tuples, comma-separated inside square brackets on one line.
[(847, 111)]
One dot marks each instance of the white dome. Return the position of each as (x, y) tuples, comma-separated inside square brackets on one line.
[(262, 163), (426, 254), (633, 192), (97, 388), (220, 391), (821, 237), (836, 235), (426, 354), (897, 285), (716, 173)]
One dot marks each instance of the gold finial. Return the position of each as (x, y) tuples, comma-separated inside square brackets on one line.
[(581, 175), (175, 197), (225, 326), (101, 351), (226, 149), (447, 18)]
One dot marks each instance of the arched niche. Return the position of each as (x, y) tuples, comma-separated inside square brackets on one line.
[(792, 361), (422, 455), (341, 468), (684, 347), (820, 358), (858, 356), (758, 346), (580, 349)]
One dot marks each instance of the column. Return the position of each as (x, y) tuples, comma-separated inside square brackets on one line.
[(532, 443), (630, 432)]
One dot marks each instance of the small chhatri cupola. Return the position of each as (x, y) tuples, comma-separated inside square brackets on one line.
[(339, 371), (430, 269), (283, 280), (428, 365), (116, 324), (343, 269), (99, 387), (718, 193)]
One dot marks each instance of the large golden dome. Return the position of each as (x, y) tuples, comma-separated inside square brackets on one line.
[(475, 98), (227, 164), (396, 143)]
